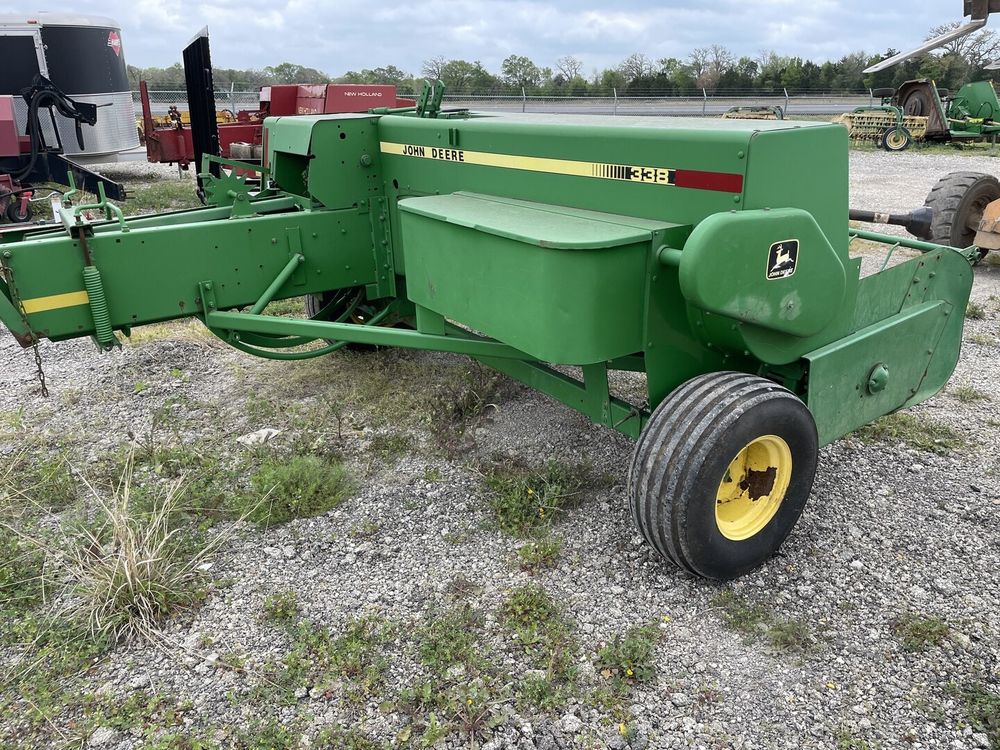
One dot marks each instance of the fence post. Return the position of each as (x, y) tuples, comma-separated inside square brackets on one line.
[(524, 99), (615, 91), (786, 99), (704, 102)]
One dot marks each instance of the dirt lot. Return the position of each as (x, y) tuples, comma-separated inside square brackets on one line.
[(421, 610)]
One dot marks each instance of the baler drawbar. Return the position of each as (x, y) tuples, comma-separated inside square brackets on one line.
[(710, 255)]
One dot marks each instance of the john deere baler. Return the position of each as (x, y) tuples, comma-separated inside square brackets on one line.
[(711, 255)]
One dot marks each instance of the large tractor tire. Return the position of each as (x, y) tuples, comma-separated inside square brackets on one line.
[(917, 103), (722, 472), (958, 201)]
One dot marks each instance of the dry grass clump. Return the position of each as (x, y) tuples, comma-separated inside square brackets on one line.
[(122, 571)]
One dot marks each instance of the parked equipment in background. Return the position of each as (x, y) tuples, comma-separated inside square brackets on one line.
[(240, 135), (710, 256), (30, 160), (920, 111), (754, 113), (83, 57)]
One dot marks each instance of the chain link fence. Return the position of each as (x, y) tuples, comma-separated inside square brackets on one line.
[(705, 104)]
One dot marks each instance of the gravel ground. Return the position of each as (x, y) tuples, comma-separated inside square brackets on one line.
[(890, 531)]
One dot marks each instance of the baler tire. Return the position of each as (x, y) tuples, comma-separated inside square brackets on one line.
[(956, 201), (314, 303), (683, 461)]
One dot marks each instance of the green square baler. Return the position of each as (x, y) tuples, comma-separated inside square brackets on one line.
[(711, 255)]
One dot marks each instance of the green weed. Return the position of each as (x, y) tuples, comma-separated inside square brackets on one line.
[(917, 432), (296, 487), (975, 311), (629, 658), (967, 394), (281, 607), (541, 553), (920, 632), (525, 500)]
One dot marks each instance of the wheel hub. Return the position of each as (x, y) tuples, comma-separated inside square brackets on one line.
[(753, 488)]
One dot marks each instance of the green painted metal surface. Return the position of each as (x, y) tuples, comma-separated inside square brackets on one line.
[(537, 276), (646, 244)]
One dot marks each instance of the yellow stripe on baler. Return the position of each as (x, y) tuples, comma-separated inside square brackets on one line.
[(54, 302)]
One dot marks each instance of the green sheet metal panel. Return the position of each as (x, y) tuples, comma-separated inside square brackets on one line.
[(769, 268), (839, 394), (563, 285)]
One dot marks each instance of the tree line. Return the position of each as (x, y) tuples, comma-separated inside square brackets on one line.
[(714, 69)]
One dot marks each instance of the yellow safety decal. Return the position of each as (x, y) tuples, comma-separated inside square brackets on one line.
[(627, 172), (723, 182), (54, 302)]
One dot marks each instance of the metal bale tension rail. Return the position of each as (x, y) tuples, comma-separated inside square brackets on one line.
[(711, 255)]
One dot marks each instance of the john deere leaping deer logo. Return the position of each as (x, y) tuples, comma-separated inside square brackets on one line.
[(782, 258)]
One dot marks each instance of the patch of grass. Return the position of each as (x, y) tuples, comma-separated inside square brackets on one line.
[(296, 487), (920, 632), (754, 621), (461, 402), (967, 394), (130, 570), (847, 741), (526, 500), (975, 311), (161, 195), (980, 339), (739, 614), (345, 739), (540, 553), (39, 688), (916, 432), (21, 574), (44, 479), (982, 709), (790, 636), (390, 446), (281, 607), (628, 658), (140, 713), (293, 307), (548, 642), (464, 693), (449, 640), (351, 664)]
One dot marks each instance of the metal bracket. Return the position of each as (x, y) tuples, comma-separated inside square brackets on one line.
[(385, 279)]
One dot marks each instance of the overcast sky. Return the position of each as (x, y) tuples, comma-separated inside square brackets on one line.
[(351, 34)]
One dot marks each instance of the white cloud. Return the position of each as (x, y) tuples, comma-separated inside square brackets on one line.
[(336, 36)]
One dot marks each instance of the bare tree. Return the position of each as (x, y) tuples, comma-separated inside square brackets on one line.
[(635, 66), (976, 49), (569, 66), (434, 68), (698, 60)]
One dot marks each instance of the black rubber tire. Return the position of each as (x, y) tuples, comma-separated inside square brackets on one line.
[(917, 103), (683, 454), (14, 211), (958, 199), (315, 304), (889, 142)]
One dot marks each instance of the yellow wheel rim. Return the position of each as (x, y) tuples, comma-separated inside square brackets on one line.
[(753, 487), (895, 139)]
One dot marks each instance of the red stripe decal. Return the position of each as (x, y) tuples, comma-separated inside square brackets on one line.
[(720, 181)]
